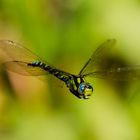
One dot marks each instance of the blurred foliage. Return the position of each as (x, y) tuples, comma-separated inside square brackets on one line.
[(65, 33)]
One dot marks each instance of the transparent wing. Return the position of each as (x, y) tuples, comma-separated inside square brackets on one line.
[(96, 59), (16, 58), (118, 73), (23, 68)]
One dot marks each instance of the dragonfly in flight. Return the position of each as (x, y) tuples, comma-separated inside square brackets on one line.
[(21, 60)]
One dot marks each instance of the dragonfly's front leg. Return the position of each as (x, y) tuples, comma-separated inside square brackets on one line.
[(75, 92)]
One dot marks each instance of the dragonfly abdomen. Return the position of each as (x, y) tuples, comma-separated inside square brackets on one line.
[(37, 64), (57, 73)]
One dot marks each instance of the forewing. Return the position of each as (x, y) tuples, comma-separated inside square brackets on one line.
[(16, 58), (96, 59)]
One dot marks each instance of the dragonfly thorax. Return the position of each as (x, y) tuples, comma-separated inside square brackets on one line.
[(85, 90)]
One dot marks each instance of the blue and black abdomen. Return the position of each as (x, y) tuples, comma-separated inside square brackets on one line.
[(57, 73)]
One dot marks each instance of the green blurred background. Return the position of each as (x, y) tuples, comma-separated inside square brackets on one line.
[(65, 33)]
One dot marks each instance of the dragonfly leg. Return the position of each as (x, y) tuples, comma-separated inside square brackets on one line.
[(74, 92)]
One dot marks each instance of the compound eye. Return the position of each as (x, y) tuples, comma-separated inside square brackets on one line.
[(85, 89), (81, 88)]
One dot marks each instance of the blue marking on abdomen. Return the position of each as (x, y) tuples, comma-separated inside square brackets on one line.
[(35, 63)]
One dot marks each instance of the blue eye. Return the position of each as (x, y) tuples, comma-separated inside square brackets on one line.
[(81, 87), (85, 90)]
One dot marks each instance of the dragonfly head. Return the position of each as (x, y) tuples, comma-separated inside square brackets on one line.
[(85, 90)]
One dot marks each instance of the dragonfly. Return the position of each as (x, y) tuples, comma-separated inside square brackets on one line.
[(21, 60)]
